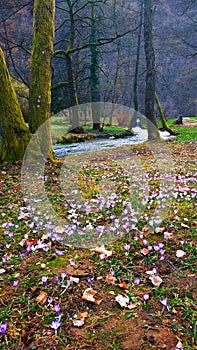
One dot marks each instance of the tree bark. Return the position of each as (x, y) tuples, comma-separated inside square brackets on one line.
[(153, 132), (162, 116), (135, 84), (94, 70), (40, 68), (14, 133)]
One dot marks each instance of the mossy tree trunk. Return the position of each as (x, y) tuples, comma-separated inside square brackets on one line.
[(14, 133), (40, 67), (153, 132)]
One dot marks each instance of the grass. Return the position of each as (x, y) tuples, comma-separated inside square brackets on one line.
[(28, 254)]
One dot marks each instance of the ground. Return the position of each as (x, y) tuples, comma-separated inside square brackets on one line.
[(153, 269)]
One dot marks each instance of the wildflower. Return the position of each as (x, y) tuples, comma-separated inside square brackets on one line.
[(56, 279), (136, 281), (44, 280), (72, 263), (57, 309), (59, 252), (3, 328), (55, 324), (146, 297), (90, 279), (63, 275), (15, 283), (164, 302), (112, 272), (127, 247), (50, 300)]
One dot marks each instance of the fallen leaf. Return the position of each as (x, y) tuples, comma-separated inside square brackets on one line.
[(145, 251), (180, 253), (74, 279), (179, 345), (30, 242), (79, 323), (184, 225), (102, 250), (82, 315), (112, 292), (156, 280), (122, 285), (132, 305), (80, 319), (194, 223), (110, 279), (122, 300), (89, 295), (42, 298), (145, 229), (159, 229)]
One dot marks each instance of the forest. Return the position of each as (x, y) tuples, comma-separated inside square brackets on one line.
[(98, 179)]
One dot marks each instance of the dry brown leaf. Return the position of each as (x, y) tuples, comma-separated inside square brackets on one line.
[(79, 323), (145, 251), (102, 250), (89, 295), (145, 229), (132, 305), (122, 285), (30, 242), (110, 279), (159, 229), (82, 315), (156, 280), (42, 298)]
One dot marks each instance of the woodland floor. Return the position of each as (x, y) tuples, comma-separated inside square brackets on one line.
[(158, 308)]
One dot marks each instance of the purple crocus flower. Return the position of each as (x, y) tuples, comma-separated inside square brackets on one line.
[(44, 280), (164, 301), (56, 279), (136, 281), (127, 247), (50, 300), (57, 309), (63, 275), (15, 283), (90, 279), (55, 324), (3, 328), (59, 252), (146, 297)]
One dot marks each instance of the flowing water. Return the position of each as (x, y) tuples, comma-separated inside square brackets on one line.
[(140, 136)]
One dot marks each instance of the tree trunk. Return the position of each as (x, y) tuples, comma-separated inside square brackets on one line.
[(40, 67), (162, 116), (153, 132), (70, 68), (135, 84), (94, 73), (14, 133)]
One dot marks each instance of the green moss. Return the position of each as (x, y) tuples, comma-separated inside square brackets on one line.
[(59, 261), (13, 130), (40, 73)]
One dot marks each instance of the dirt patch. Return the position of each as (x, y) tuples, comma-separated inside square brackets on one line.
[(141, 333)]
